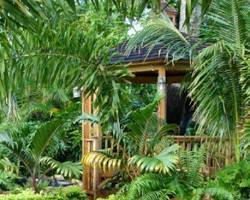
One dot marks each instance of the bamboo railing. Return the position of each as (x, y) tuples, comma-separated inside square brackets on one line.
[(218, 154)]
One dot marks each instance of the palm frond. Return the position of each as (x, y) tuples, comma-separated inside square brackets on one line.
[(7, 166), (104, 162), (18, 150), (164, 162), (161, 31), (43, 136), (67, 169)]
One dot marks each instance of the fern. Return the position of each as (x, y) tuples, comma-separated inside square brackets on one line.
[(145, 184), (217, 192)]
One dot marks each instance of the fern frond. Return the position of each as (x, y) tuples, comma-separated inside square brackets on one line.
[(145, 184), (217, 192)]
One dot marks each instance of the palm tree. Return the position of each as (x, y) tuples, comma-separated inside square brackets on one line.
[(30, 151), (65, 48), (220, 55)]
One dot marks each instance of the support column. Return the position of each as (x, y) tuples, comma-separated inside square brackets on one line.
[(86, 145), (97, 134), (91, 141), (161, 86)]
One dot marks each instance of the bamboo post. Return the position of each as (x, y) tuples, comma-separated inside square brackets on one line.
[(161, 84), (96, 146), (86, 135)]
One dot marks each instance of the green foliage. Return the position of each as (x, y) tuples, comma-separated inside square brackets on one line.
[(164, 162), (30, 148), (7, 181), (105, 162), (67, 169), (161, 31), (230, 183), (68, 193), (149, 186), (113, 197), (220, 80), (219, 193), (235, 178), (179, 184), (143, 142)]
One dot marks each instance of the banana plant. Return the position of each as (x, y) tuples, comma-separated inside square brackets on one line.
[(31, 153)]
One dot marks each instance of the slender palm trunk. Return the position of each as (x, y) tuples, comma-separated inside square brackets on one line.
[(182, 26), (195, 19), (236, 135), (34, 182)]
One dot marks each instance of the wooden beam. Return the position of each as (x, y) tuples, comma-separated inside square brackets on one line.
[(143, 79), (174, 79), (143, 68)]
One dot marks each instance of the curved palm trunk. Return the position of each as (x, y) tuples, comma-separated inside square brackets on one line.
[(34, 181)]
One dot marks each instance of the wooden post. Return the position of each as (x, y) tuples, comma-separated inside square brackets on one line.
[(86, 135), (91, 141), (161, 85), (96, 146)]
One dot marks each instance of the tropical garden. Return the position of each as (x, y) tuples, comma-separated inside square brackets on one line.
[(50, 49)]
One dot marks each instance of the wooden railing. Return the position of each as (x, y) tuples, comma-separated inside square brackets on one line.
[(218, 154)]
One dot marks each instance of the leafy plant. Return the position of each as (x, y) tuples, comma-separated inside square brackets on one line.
[(67, 193), (179, 184), (219, 84), (164, 162), (7, 181), (140, 140), (31, 152)]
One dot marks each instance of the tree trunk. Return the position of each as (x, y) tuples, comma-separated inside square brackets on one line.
[(182, 26), (34, 184), (195, 19)]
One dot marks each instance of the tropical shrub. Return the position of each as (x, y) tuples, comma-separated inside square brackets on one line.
[(146, 147), (113, 197), (30, 148), (236, 179), (67, 193), (159, 185), (7, 181), (70, 193)]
